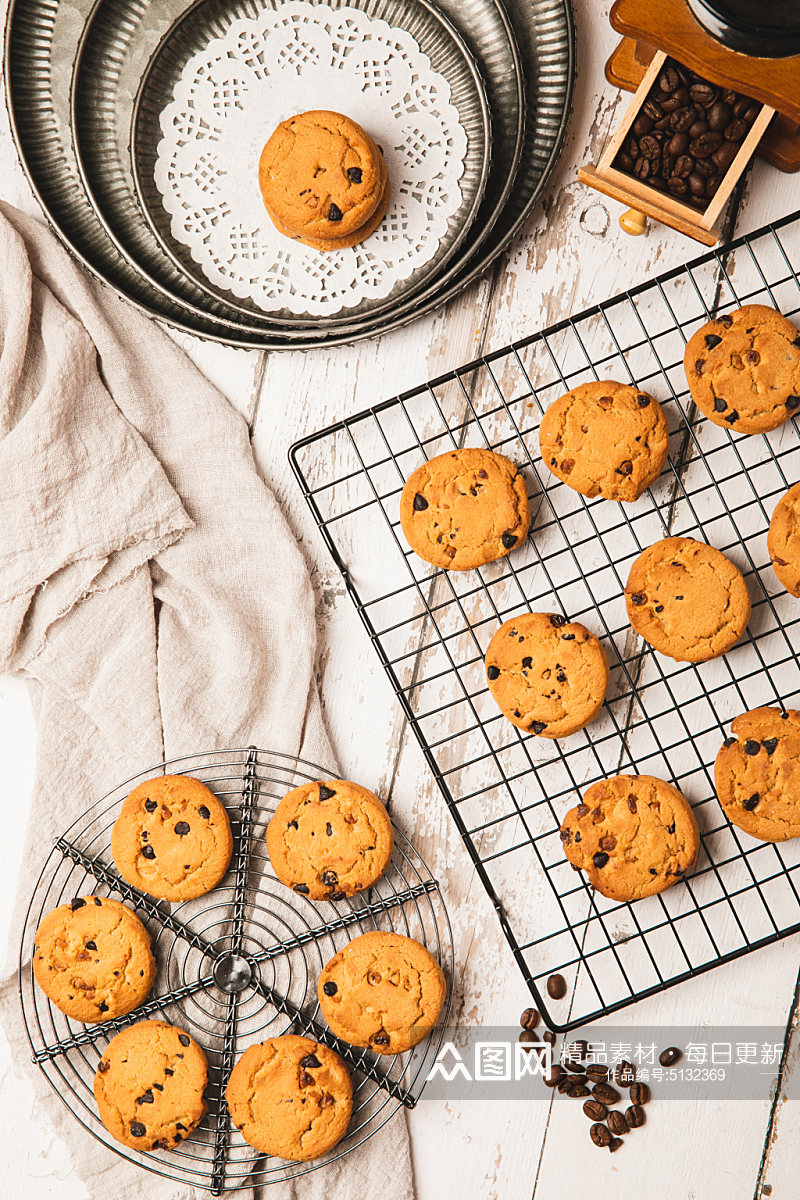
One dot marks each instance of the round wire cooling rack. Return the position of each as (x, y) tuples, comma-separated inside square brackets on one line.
[(234, 967)]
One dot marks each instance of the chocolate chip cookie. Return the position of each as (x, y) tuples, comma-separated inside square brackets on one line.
[(330, 839), (321, 175), (464, 508), (92, 958), (149, 1086), (172, 838), (383, 991), (548, 675), (757, 774), (743, 369), (633, 835), (327, 245), (605, 439), (687, 600), (290, 1097), (783, 541)]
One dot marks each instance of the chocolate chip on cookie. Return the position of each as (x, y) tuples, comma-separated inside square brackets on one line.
[(164, 845), (290, 1097), (757, 774), (92, 959), (548, 676), (633, 835), (465, 508), (330, 839), (743, 369), (149, 1086), (382, 990), (687, 599), (605, 439)]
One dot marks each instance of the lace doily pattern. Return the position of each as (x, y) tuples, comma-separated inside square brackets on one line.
[(228, 101)]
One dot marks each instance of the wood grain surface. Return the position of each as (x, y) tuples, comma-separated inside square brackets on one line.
[(571, 254)]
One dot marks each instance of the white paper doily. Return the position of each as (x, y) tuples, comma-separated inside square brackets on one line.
[(228, 101)]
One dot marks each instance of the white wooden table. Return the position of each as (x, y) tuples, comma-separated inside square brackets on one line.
[(571, 253)]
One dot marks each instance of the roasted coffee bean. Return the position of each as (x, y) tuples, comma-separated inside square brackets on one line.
[(529, 1019), (597, 1072), (740, 105), (703, 94), (719, 115), (650, 146), (704, 167), (640, 1093), (678, 99), (563, 1084), (580, 1048), (614, 1145), (642, 168), (556, 987), (624, 162), (605, 1093), (677, 145), (595, 1111), (696, 129), (642, 125), (705, 145), (635, 1116), (526, 1037), (669, 80), (712, 185), (684, 120), (683, 166), (736, 131), (670, 1056), (577, 1089), (752, 111), (654, 111), (624, 1074), (600, 1134), (616, 1122), (556, 1075), (677, 186), (697, 185)]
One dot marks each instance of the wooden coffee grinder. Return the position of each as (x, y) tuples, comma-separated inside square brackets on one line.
[(751, 47)]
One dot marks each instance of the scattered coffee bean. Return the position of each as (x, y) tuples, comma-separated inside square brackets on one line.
[(549, 1037), (616, 1122), (624, 1074), (556, 987), (529, 1018), (606, 1094), (595, 1111), (526, 1037), (670, 1056), (640, 1093), (556, 1075), (600, 1134), (635, 1116), (597, 1072), (614, 1144), (577, 1089)]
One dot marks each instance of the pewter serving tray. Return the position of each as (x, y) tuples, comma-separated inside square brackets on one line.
[(42, 37)]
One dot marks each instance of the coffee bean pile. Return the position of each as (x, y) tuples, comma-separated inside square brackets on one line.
[(686, 135), (597, 1085)]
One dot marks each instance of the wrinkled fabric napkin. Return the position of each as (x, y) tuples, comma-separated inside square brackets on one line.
[(152, 595)]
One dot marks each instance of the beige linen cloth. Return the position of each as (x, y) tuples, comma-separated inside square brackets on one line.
[(152, 595)]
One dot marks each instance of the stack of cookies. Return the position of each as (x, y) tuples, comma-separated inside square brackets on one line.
[(324, 181)]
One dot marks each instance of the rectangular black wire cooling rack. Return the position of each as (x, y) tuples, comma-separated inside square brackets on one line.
[(507, 790)]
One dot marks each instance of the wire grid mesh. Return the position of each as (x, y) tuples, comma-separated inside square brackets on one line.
[(285, 939), (508, 791)]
